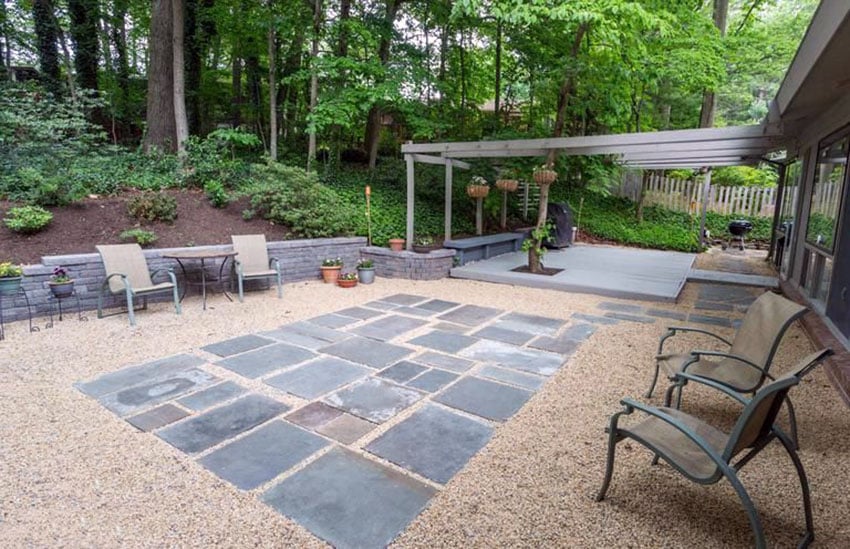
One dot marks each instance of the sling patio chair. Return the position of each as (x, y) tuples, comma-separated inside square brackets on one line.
[(127, 273), (253, 262), (704, 454)]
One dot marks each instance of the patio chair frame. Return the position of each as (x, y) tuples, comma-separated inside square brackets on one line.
[(251, 241)]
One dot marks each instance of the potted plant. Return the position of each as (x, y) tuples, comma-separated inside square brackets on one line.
[(347, 280), (507, 181), (478, 187), (61, 285), (545, 175), (396, 244), (331, 268), (423, 244), (366, 271), (10, 278)]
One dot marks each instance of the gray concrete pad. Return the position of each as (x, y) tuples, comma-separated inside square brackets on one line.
[(237, 345), (403, 371), (212, 396), (333, 320), (432, 380), (350, 501), (374, 354), (135, 375), (531, 324), (306, 334), (448, 342), (210, 428), (434, 443), (314, 415), (374, 399), (470, 315), (158, 417), (346, 428), (446, 362), (156, 391), (520, 379), (388, 327), (318, 377), (511, 356), (629, 273), (438, 305), (496, 333), (720, 277), (264, 360), (484, 398), (359, 312), (404, 299), (263, 454)]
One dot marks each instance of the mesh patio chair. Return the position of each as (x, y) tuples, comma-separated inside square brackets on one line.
[(127, 273), (704, 454), (253, 262)]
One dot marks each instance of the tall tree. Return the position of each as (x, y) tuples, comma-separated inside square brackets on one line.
[(84, 16), (709, 99), (47, 36), (181, 125), (272, 83), (161, 131), (314, 79)]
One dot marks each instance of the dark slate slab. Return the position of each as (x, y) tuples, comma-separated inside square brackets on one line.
[(520, 379), (346, 428), (212, 396), (333, 320), (595, 319), (374, 399), (438, 305), (158, 417), (414, 311), (563, 346), (213, 427), (403, 371), (631, 318), (725, 293), (445, 362), (156, 391), (264, 360), (404, 299), (237, 345), (350, 501), (448, 342), (314, 415), (470, 315), (620, 307), (449, 327), (433, 442), (359, 312), (714, 306), (484, 398), (381, 305), (664, 313), (511, 356), (318, 377), (532, 324), (388, 327), (307, 334), (578, 331), (497, 333), (705, 319), (134, 375), (361, 350), (432, 380), (263, 454)]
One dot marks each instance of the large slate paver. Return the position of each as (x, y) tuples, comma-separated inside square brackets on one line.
[(415, 311), (211, 396), (375, 354), (620, 307), (382, 305), (725, 293), (511, 356), (432, 380), (307, 334), (578, 331), (403, 371), (359, 313), (448, 342), (664, 313), (595, 319), (217, 425), (318, 377), (520, 379), (631, 318), (158, 417), (263, 454), (314, 415), (346, 428), (156, 391), (531, 324), (349, 500), (497, 333), (374, 399), (264, 360), (237, 345), (484, 398), (433, 442), (389, 327), (438, 305), (712, 320), (714, 306), (445, 362), (134, 375), (404, 299), (470, 315), (563, 346), (333, 320)]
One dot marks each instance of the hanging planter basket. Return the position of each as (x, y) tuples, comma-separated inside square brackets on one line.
[(545, 177), (477, 191), (507, 185)]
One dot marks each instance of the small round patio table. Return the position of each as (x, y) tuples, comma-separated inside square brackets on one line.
[(202, 256)]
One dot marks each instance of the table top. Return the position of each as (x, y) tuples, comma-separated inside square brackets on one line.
[(199, 254)]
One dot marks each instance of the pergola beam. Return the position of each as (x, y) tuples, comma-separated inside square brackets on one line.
[(440, 161)]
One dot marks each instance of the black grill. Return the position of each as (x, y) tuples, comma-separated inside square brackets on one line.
[(740, 227)]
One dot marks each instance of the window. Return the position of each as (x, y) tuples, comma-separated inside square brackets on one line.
[(790, 195), (827, 189)]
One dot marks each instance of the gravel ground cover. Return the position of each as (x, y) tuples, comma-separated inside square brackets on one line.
[(76, 475)]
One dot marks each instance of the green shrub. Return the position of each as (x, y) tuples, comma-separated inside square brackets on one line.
[(140, 236), (216, 194), (27, 219), (153, 206)]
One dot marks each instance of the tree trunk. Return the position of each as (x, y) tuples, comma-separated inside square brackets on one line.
[(47, 37), (84, 34), (566, 90), (535, 265), (181, 124), (498, 86), (373, 120), (119, 43), (236, 90), (314, 79), (709, 100), (272, 86), (5, 47), (161, 129)]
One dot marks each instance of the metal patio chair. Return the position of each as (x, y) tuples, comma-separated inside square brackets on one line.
[(253, 262), (704, 454), (127, 273)]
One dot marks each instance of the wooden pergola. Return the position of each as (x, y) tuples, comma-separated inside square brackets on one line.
[(699, 148)]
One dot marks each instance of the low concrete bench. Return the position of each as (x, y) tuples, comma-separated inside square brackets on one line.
[(485, 247)]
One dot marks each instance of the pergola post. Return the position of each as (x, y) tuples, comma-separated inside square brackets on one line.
[(706, 186), (448, 209), (410, 195)]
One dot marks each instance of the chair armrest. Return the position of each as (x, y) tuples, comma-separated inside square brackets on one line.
[(700, 353), (734, 394), (274, 263), (167, 270), (672, 330), (123, 280)]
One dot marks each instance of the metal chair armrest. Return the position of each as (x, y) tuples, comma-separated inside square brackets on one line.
[(672, 331), (751, 364), (725, 389)]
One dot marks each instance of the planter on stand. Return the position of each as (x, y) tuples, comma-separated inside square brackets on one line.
[(545, 177), (10, 285), (331, 274), (506, 186), (478, 192), (62, 289)]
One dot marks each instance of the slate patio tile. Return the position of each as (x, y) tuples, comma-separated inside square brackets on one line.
[(318, 377), (470, 315), (562, 346), (438, 305), (511, 356), (415, 311), (712, 320), (446, 362), (497, 333), (713, 306), (664, 313), (484, 398), (578, 331), (346, 428), (263, 454), (404, 299), (212, 396), (595, 319), (402, 371), (134, 375), (631, 318), (156, 391), (725, 293), (349, 500), (448, 342), (359, 313), (520, 379), (314, 415), (382, 305), (388, 327), (332, 320), (449, 327), (434, 443), (219, 424), (532, 324), (432, 380), (375, 354), (620, 307), (158, 417), (306, 334), (237, 345), (264, 360), (374, 399)]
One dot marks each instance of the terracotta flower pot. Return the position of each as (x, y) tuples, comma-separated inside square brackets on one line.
[(477, 191), (396, 244), (507, 185), (347, 283), (331, 274), (545, 177)]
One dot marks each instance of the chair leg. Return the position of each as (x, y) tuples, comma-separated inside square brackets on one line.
[(130, 312), (755, 523), (279, 286), (654, 380), (809, 535), (613, 439), (100, 304), (792, 423), (177, 308), (239, 284)]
